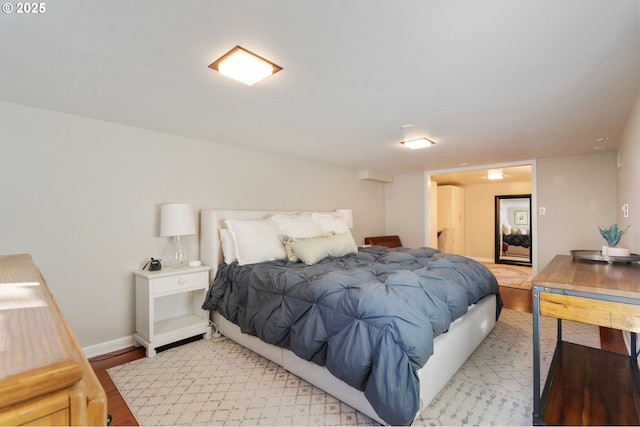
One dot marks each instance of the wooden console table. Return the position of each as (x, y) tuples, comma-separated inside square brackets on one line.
[(587, 386)]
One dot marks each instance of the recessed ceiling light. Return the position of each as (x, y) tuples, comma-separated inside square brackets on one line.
[(244, 66), (414, 144)]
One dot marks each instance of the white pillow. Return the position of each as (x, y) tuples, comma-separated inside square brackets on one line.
[(506, 228), (329, 224), (297, 226), (228, 247), (314, 250), (256, 240)]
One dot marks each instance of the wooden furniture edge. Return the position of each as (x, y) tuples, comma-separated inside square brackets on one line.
[(84, 391)]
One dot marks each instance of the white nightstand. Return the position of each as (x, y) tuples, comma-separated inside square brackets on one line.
[(168, 305)]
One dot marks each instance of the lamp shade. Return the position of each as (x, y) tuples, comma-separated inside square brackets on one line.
[(347, 215), (177, 219)]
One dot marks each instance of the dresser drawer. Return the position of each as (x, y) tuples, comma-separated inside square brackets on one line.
[(181, 282)]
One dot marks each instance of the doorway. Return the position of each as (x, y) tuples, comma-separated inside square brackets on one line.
[(480, 191)]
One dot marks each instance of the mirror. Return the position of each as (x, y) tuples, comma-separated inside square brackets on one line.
[(513, 229)]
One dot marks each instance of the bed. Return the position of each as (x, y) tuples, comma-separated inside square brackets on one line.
[(515, 241), (516, 244), (397, 395)]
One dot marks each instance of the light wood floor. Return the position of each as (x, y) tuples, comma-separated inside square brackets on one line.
[(515, 299)]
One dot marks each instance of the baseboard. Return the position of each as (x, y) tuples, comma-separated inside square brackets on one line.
[(108, 347)]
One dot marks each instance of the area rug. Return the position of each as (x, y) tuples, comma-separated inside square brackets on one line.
[(221, 383), (511, 276)]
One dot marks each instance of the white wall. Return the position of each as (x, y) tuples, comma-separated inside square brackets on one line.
[(629, 180), (82, 197), (578, 194), (432, 214), (627, 189), (405, 209)]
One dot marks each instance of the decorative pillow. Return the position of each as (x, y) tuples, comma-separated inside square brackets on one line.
[(228, 247), (287, 240), (297, 226), (315, 249), (256, 240), (328, 223)]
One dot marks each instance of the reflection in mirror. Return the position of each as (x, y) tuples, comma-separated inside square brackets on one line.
[(513, 229)]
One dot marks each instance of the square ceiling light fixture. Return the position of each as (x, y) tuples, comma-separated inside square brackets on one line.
[(244, 66), (495, 174), (414, 144)]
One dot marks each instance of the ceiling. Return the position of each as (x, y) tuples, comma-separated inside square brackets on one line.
[(492, 81), (479, 176)]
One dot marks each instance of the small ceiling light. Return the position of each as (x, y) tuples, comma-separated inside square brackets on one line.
[(244, 66), (414, 144), (495, 174)]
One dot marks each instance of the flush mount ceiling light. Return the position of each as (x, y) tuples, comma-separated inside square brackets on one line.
[(414, 144), (244, 66), (495, 174)]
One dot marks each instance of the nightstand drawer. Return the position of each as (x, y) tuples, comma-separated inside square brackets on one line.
[(180, 282)]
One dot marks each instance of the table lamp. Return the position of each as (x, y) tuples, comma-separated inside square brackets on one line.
[(347, 215), (177, 220)]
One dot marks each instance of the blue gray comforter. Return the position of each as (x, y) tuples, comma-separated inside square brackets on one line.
[(370, 318)]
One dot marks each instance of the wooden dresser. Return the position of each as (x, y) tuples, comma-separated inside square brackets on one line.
[(45, 378)]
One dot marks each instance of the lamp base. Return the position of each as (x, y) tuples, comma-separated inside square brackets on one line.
[(178, 256)]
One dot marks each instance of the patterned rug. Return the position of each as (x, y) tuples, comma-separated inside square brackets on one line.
[(221, 383), (512, 276)]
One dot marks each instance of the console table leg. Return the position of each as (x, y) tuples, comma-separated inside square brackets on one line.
[(536, 355)]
